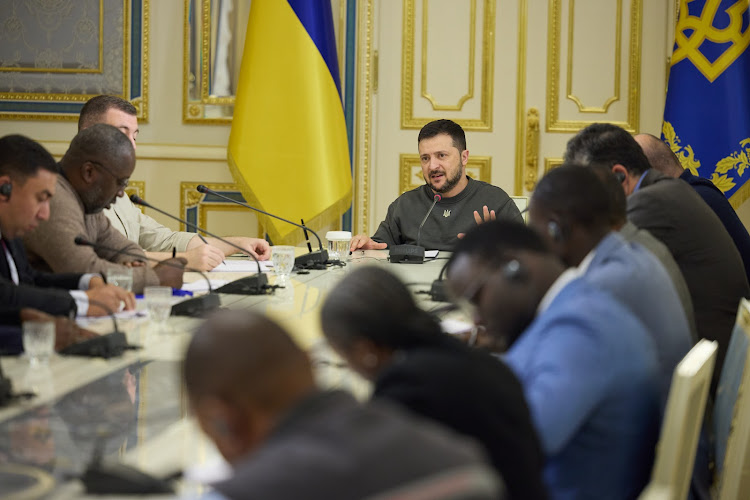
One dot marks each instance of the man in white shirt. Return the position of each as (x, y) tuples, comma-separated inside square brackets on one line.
[(156, 239)]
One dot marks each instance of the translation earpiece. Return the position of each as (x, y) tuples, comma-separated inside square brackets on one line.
[(514, 272), (620, 176), (554, 230), (6, 189)]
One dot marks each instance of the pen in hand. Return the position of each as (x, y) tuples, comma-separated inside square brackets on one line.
[(206, 242)]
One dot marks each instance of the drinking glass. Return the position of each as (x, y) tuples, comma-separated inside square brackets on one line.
[(158, 303), (38, 341), (122, 277), (338, 245), (283, 262)]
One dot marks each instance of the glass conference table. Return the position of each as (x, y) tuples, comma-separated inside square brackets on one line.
[(133, 409)]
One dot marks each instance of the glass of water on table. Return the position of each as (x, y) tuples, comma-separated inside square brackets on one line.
[(158, 303), (283, 263)]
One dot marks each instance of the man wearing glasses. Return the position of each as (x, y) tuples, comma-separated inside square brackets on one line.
[(93, 174)]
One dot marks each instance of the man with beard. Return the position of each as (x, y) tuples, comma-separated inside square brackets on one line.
[(464, 201), (93, 173)]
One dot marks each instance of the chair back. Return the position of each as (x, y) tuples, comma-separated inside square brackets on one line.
[(732, 413), (678, 441)]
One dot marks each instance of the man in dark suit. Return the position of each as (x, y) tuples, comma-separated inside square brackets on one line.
[(674, 213), (661, 157), (28, 176)]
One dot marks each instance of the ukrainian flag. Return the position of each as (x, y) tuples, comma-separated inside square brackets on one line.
[(288, 147), (707, 114)]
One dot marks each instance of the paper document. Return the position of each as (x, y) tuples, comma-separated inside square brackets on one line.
[(431, 254), (202, 285), (242, 266)]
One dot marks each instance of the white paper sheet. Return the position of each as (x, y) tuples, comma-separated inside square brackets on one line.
[(431, 254), (202, 286), (242, 266)]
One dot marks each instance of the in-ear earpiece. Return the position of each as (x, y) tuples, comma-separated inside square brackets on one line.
[(6, 189), (554, 230), (514, 272), (620, 176)]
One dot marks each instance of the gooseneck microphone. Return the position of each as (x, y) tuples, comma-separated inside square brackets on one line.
[(102, 346), (250, 285), (194, 307), (413, 254), (315, 260)]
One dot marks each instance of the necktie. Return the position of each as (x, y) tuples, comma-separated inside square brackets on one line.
[(11, 262)]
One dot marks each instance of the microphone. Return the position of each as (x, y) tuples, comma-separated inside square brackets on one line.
[(413, 254), (104, 346), (311, 260), (250, 285), (194, 307)]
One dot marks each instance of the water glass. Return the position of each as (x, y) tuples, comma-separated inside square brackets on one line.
[(283, 262), (158, 303), (338, 245), (38, 341), (122, 277)]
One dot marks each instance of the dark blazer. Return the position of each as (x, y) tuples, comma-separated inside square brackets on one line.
[(724, 211), (476, 395), (712, 267), (44, 291)]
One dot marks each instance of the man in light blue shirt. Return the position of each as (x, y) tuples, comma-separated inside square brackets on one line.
[(588, 366), (570, 209)]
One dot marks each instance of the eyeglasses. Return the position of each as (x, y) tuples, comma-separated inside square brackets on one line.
[(467, 301), (121, 183)]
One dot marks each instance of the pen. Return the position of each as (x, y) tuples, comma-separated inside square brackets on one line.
[(204, 241), (174, 252), (309, 247)]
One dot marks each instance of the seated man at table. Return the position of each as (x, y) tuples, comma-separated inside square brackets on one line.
[(463, 203), (158, 240), (253, 393), (28, 176), (588, 367), (661, 158), (94, 171)]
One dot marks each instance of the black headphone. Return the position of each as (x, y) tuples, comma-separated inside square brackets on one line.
[(620, 176), (5, 189)]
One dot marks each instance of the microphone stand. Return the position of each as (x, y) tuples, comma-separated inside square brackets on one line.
[(250, 285), (193, 307), (104, 346), (311, 260), (412, 254)]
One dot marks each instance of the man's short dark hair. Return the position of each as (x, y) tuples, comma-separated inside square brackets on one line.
[(21, 158), (606, 145), (617, 200), (449, 127), (96, 107), (491, 240), (97, 141), (576, 194)]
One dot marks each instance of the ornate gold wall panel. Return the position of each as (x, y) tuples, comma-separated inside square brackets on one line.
[(139, 188), (363, 107), (410, 170), (408, 68), (630, 118), (550, 163), (194, 206), (523, 22)]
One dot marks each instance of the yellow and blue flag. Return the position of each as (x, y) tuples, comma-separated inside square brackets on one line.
[(707, 114), (288, 148)]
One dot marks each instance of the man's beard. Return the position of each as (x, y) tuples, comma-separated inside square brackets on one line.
[(449, 183)]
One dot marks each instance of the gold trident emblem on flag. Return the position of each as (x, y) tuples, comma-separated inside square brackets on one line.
[(702, 28)]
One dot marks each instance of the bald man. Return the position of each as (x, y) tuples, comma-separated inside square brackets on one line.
[(664, 160), (253, 393)]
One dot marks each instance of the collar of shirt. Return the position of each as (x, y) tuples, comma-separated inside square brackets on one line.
[(638, 186), (562, 281)]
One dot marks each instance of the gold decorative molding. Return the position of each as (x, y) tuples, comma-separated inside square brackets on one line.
[(140, 102), (191, 198), (472, 45), (618, 61), (363, 107), (554, 122), (523, 19), (532, 148), (139, 188), (410, 170), (550, 163), (408, 120)]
